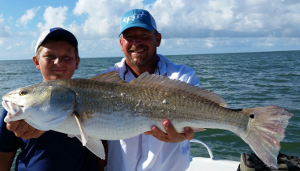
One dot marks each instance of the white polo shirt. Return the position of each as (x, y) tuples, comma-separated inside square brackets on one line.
[(145, 152)]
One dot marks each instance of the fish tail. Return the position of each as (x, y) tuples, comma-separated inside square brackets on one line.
[(265, 130)]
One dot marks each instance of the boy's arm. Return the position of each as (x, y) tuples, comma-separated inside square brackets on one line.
[(6, 160), (23, 130)]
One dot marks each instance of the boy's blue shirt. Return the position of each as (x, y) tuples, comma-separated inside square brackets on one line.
[(51, 151)]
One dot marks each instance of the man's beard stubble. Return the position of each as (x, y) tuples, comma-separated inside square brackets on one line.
[(142, 60)]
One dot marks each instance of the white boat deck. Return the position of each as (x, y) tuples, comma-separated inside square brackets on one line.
[(211, 164)]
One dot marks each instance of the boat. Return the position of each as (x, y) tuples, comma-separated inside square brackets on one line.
[(211, 164)]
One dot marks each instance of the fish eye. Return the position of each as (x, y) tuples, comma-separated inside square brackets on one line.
[(23, 92)]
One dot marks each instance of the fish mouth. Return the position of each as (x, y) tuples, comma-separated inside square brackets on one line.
[(12, 109)]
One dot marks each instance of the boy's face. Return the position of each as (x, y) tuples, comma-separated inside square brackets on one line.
[(57, 60)]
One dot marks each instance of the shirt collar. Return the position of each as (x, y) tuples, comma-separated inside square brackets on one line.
[(160, 69)]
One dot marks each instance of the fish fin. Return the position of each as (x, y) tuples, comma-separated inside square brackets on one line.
[(82, 132), (112, 77), (198, 129), (164, 82), (266, 127), (96, 147), (71, 136)]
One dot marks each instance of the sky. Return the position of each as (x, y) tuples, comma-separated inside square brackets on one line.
[(187, 26)]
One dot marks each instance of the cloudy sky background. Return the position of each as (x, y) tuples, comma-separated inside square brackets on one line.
[(187, 26)]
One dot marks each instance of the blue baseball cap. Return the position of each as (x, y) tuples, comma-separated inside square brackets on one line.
[(137, 18), (56, 31)]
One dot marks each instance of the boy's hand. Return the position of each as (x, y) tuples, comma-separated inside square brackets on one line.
[(172, 136), (23, 130)]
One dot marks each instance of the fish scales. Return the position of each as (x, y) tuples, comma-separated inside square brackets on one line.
[(141, 101), (106, 107)]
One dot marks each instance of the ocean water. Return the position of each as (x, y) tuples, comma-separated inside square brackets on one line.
[(244, 80)]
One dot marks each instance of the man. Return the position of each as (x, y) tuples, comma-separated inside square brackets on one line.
[(57, 58), (153, 150)]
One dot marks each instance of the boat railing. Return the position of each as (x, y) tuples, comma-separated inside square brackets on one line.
[(203, 143)]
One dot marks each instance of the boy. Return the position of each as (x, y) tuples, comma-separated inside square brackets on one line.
[(57, 58)]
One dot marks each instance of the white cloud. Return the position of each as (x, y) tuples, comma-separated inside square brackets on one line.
[(102, 47), (3, 28), (209, 44), (103, 17), (187, 27), (226, 18), (193, 18), (29, 14), (193, 24), (54, 17), (8, 48)]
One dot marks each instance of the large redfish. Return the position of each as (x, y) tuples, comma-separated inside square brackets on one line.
[(106, 107)]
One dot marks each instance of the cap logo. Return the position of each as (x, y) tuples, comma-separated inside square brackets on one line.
[(55, 28), (133, 17)]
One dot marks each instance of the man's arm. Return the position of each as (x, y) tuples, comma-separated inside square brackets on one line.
[(23, 130), (6, 160), (172, 136)]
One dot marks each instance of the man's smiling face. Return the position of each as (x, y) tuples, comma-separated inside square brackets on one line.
[(139, 46)]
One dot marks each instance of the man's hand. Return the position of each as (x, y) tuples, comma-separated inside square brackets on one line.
[(23, 130), (172, 136)]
